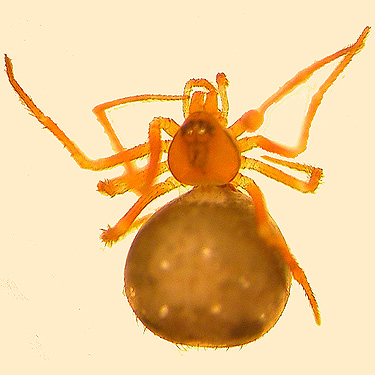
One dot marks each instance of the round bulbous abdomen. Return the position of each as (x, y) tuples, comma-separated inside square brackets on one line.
[(198, 274)]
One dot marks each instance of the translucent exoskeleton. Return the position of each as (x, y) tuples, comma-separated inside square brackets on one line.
[(211, 268)]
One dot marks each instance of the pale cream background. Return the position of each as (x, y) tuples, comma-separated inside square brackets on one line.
[(61, 307)]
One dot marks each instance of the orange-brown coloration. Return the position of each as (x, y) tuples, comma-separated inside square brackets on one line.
[(204, 150)]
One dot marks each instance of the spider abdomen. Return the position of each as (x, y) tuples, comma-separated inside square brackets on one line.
[(198, 273)]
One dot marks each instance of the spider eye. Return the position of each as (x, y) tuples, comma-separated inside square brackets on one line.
[(197, 130)]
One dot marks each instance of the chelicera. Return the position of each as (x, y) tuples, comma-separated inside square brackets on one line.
[(206, 153)]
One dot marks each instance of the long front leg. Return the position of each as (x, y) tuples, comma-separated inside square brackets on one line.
[(123, 156), (130, 178), (77, 154), (101, 115), (253, 119)]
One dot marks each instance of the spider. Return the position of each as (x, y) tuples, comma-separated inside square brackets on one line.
[(204, 151)]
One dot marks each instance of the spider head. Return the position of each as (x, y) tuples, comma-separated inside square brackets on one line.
[(203, 152)]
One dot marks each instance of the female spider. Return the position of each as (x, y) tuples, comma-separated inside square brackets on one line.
[(207, 154)]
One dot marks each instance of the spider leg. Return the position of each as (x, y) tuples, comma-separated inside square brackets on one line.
[(101, 115), (262, 219), (137, 223), (128, 221), (134, 181), (126, 182), (253, 119), (130, 177), (123, 156), (149, 190), (78, 155), (314, 174)]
